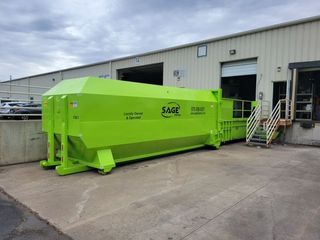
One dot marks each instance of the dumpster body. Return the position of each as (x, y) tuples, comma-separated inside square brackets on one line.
[(97, 123)]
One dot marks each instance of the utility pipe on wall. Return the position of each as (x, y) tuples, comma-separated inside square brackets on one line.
[(294, 92)]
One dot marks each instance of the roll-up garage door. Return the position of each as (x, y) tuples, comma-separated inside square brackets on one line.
[(239, 68)]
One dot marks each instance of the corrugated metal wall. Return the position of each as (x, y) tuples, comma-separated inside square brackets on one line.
[(272, 48)]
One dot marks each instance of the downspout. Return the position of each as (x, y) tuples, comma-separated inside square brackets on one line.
[(110, 69), (61, 75), (287, 98), (294, 93), (288, 87)]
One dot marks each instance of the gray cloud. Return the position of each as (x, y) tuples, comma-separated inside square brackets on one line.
[(39, 36)]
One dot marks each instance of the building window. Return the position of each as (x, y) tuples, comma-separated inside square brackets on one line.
[(202, 51), (241, 108), (308, 96)]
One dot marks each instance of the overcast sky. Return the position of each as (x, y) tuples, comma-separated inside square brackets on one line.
[(38, 36)]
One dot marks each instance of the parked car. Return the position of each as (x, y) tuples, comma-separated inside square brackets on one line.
[(26, 109), (5, 108)]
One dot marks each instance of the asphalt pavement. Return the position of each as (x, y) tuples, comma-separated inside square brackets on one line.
[(19, 223)]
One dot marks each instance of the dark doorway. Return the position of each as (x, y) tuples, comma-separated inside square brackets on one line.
[(308, 96), (279, 92), (152, 74), (239, 87)]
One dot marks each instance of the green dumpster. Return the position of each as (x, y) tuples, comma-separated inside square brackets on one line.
[(94, 123)]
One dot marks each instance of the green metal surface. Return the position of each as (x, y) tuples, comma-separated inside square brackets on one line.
[(97, 123)]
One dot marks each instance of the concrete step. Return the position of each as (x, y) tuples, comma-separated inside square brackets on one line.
[(258, 144), (259, 140), (260, 134)]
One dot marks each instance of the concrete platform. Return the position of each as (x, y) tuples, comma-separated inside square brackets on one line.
[(237, 192)]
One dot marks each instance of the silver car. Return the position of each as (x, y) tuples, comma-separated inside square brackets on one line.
[(5, 107)]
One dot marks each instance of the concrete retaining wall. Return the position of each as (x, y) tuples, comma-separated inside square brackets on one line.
[(298, 135), (21, 141)]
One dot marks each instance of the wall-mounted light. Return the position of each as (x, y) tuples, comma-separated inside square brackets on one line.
[(260, 95), (179, 73), (278, 69), (232, 52)]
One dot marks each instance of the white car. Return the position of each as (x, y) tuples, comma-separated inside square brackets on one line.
[(5, 107)]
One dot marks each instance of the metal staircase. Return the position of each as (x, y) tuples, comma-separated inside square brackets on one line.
[(262, 126)]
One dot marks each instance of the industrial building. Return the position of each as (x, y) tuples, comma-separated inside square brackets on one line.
[(265, 63)]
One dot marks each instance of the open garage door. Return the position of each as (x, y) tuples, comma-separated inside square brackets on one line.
[(238, 79), (152, 74)]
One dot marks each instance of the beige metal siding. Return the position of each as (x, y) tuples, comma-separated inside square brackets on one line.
[(29, 86), (273, 48), (96, 70)]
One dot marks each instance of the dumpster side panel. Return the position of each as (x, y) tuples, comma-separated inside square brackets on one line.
[(136, 127), (130, 119), (234, 118)]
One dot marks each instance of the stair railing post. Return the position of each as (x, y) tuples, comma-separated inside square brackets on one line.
[(287, 109), (280, 109)]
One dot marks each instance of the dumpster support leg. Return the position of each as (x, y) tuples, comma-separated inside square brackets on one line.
[(51, 161), (214, 139), (105, 160), (67, 165)]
